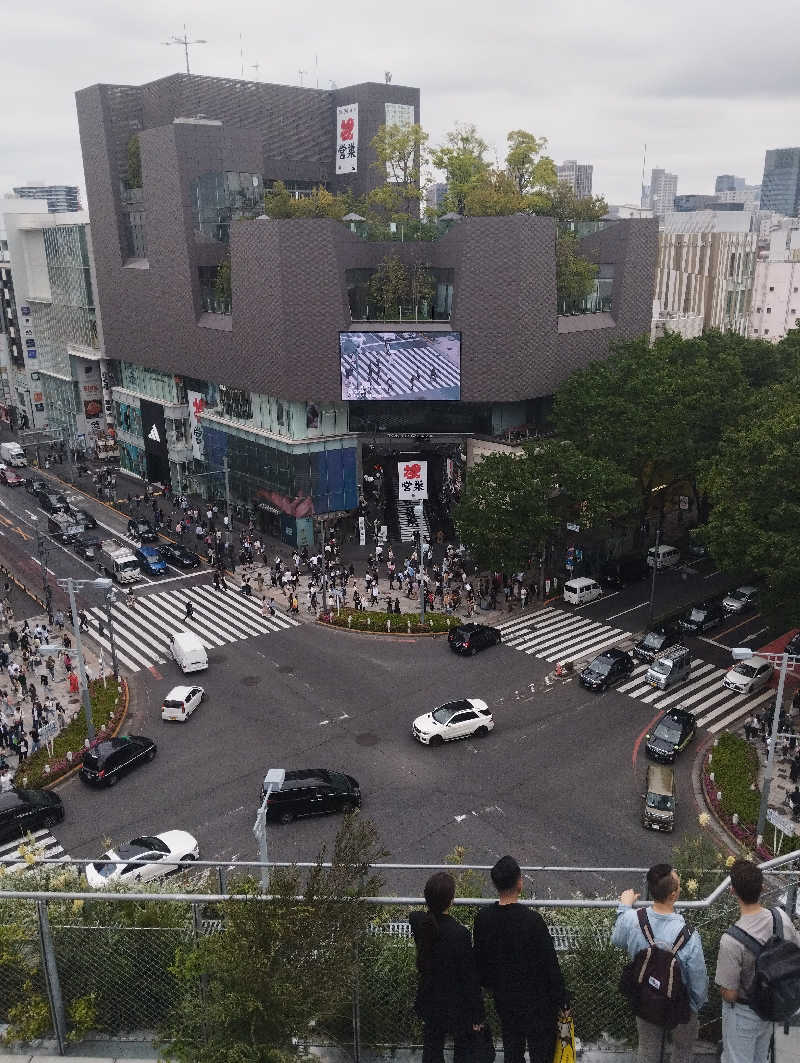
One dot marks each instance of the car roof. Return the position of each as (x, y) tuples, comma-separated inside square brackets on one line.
[(755, 661), (179, 693), (747, 588), (678, 715), (614, 653)]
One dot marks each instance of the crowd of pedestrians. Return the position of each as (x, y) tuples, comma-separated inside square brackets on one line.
[(511, 955)]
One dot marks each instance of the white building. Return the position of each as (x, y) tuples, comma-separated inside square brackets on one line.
[(776, 285), (704, 276), (578, 175), (660, 194), (627, 210)]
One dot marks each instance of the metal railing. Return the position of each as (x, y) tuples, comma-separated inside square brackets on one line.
[(73, 960)]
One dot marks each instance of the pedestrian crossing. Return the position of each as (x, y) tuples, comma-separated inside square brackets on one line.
[(142, 631), (406, 370), (409, 525), (554, 635), (39, 844)]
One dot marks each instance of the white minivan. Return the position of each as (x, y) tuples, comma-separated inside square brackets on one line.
[(189, 651), (667, 556), (581, 590)]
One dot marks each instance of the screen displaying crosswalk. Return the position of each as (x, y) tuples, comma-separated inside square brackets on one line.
[(554, 635), (142, 630), (400, 365)]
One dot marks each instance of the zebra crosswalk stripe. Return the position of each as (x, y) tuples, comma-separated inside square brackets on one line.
[(697, 669), (556, 639), (591, 647), (44, 845), (553, 632), (550, 626), (741, 710)]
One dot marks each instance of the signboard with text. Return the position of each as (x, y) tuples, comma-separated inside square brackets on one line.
[(196, 406), (347, 138), (412, 480)]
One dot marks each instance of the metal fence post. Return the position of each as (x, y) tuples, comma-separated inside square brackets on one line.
[(51, 981), (357, 1010)]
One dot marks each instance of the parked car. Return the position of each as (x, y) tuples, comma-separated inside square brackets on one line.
[(606, 669), (34, 486), (671, 735), (470, 638), (105, 763), (456, 719), (312, 792), (620, 571), (655, 640), (702, 618), (668, 556), (742, 600), (10, 478), (749, 676), (180, 556), (62, 527), (793, 645), (143, 859), (181, 702), (83, 516), (88, 546), (28, 810), (141, 529), (52, 503), (150, 560)]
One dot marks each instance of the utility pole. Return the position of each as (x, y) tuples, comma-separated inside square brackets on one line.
[(324, 557), (773, 742), (76, 630), (110, 599), (419, 511), (653, 580), (227, 504)]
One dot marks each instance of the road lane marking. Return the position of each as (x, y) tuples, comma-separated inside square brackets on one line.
[(632, 609)]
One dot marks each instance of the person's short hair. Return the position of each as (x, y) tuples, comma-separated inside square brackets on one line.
[(747, 880), (439, 892), (505, 874), (661, 881)]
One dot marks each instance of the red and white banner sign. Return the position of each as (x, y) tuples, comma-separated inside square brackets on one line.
[(347, 138), (196, 407), (413, 479)]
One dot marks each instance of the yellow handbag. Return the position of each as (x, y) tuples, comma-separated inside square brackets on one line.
[(565, 1039)]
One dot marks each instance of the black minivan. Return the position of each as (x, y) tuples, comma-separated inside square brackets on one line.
[(312, 792), (105, 763), (28, 810), (656, 640)]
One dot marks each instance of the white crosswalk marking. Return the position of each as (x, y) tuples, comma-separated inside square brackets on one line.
[(409, 525), (557, 635), (40, 843), (142, 632)]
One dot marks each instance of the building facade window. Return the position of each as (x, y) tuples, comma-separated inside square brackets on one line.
[(153, 383), (220, 197)]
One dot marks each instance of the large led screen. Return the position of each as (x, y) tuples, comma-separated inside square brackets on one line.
[(400, 365)]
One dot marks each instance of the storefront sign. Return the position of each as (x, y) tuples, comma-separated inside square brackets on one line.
[(347, 138), (362, 531), (412, 480), (196, 406)]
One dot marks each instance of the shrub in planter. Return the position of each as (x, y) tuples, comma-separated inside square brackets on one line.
[(363, 620)]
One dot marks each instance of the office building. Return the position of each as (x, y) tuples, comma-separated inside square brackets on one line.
[(780, 185), (60, 198), (776, 285), (660, 194), (280, 376), (578, 175), (434, 196), (727, 182)]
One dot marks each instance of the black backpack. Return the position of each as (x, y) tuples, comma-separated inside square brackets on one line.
[(775, 993), (652, 981)]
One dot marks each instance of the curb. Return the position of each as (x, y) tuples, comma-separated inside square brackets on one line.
[(698, 790), (379, 631)]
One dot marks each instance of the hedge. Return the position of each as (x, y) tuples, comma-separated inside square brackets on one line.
[(108, 706), (398, 623)]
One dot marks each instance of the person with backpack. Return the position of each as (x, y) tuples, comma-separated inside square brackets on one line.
[(666, 981), (758, 970)]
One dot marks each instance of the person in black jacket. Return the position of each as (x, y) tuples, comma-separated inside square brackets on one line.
[(517, 962), (448, 992)]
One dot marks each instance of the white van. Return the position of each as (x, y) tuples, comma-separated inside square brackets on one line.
[(189, 652), (667, 557), (581, 590)]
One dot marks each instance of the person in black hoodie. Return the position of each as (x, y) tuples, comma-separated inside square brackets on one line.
[(517, 962), (448, 992)]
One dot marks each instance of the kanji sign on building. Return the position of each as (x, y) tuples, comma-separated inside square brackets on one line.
[(347, 138), (413, 480), (196, 407)]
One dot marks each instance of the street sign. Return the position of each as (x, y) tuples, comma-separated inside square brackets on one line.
[(573, 527), (683, 501), (782, 823), (49, 731), (362, 531)]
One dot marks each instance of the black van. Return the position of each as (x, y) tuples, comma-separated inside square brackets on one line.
[(656, 640), (620, 571), (312, 792)]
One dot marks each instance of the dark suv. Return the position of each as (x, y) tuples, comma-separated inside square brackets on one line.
[(312, 792), (53, 503), (703, 618), (469, 638), (606, 669), (28, 810), (105, 763), (656, 640), (143, 530)]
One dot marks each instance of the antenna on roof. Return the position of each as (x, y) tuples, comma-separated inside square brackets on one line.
[(388, 76), (316, 69), (256, 67), (185, 42), (300, 75)]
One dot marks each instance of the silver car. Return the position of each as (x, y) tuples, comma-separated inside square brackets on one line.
[(740, 600), (749, 676)]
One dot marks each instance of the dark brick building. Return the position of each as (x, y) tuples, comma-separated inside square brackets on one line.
[(266, 370)]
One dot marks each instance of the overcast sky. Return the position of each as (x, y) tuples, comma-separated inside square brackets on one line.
[(707, 85)]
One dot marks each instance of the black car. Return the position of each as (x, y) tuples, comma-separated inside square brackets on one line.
[(702, 618), (793, 645), (312, 792), (180, 556), (34, 487), (88, 546), (606, 669), (469, 638), (105, 763), (84, 517), (621, 571), (656, 640), (141, 529), (28, 810), (52, 503), (671, 735)]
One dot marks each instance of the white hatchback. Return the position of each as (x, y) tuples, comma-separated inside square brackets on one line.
[(456, 719), (749, 676), (181, 702)]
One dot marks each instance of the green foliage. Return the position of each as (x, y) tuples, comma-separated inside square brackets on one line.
[(280, 204), (735, 767), (462, 157), (394, 285), (575, 276), (528, 168), (400, 153), (591, 971), (133, 178), (366, 620), (250, 993), (700, 864), (222, 283), (29, 1017), (83, 1016)]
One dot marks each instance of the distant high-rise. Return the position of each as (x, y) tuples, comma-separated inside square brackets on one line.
[(727, 182), (434, 196), (662, 191), (780, 186), (60, 198), (578, 175)]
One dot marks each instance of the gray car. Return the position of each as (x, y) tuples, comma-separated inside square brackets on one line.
[(741, 600)]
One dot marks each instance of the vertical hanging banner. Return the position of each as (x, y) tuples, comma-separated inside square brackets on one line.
[(347, 138), (413, 480), (196, 406)]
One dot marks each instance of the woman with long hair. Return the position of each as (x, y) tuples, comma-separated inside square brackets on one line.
[(448, 997)]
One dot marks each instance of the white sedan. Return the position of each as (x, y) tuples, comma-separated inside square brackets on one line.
[(158, 855), (456, 719), (749, 676), (181, 702)]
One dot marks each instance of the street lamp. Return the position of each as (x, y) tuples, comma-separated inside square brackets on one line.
[(273, 780), (741, 653), (418, 513), (111, 598), (69, 584)]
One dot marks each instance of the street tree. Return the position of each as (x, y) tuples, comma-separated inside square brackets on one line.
[(401, 153), (388, 286), (575, 275), (462, 157), (528, 167)]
